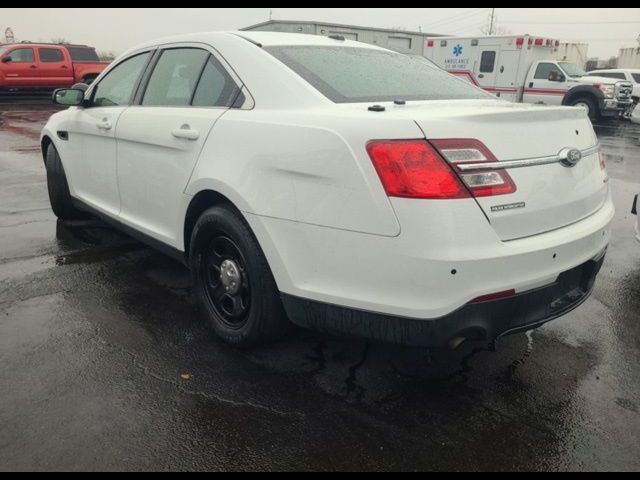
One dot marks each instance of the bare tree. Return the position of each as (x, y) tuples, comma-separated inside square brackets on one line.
[(107, 56), (60, 41), (492, 27)]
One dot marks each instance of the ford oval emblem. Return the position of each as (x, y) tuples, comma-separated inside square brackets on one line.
[(570, 157)]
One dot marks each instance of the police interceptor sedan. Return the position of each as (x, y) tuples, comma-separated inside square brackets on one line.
[(336, 185)]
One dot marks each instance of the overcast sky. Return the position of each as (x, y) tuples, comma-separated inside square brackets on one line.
[(606, 30)]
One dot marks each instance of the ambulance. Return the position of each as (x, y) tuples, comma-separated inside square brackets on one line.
[(523, 69)]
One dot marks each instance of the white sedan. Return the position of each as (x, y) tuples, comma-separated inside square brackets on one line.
[(336, 185)]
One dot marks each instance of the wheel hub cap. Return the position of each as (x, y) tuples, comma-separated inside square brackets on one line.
[(230, 276)]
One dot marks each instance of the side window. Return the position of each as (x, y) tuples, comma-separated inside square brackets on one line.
[(216, 88), (174, 78), (636, 77), (51, 55), (545, 69), (487, 62), (22, 55), (116, 88)]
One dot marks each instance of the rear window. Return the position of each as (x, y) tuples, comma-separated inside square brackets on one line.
[(83, 54), (350, 75)]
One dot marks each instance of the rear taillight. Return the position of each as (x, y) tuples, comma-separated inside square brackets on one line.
[(414, 169), (482, 183)]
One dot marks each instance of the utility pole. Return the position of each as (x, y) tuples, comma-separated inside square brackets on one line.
[(270, 14), (493, 17)]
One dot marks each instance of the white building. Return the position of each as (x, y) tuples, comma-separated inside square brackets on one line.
[(629, 58), (403, 41), (573, 52)]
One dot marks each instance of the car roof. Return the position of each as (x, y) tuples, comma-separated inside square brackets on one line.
[(616, 70), (264, 39), (30, 44)]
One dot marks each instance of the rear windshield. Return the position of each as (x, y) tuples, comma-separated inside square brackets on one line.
[(350, 75), (80, 54)]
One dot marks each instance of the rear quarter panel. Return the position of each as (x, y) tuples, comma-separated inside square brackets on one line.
[(309, 167)]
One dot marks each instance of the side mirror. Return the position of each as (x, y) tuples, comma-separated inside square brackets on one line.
[(68, 97), (7, 59)]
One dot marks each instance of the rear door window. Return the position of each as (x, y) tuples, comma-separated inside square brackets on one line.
[(175, 77), (216, 88), (51, 55)]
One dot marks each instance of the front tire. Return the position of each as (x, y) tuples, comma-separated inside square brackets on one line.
[(59, 196), (589, 106), (233, 282)]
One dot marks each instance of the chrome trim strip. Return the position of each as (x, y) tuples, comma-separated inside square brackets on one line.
[(527, 162)]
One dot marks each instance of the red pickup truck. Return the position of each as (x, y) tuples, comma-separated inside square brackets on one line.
[(29, 67)]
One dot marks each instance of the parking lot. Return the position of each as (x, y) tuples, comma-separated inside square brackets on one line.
[(105, 363)]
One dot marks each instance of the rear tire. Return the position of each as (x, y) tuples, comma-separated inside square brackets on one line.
[(233, 282), (59, 196), (589, 105)]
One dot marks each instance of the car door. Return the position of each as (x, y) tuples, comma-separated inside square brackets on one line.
[(91, 166), (19, 68), (542, 89), (507, 75), (55, 67), (160, 138)]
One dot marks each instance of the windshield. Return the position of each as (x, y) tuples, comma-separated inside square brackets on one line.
[(350, 75), (2, 50), (636, 77), (572, 70)]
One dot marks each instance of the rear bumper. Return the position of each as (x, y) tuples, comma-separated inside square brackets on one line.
[(481, 321)]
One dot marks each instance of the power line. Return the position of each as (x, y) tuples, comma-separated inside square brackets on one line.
[(612, 22), (454, 18)]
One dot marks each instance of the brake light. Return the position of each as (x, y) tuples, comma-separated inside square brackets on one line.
[(481, 183), (414, 169)]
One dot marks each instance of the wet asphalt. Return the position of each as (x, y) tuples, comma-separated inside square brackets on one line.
[(105, 363)]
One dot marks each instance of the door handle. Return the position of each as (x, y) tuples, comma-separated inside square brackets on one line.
[(186, 132), (64, 66), (530, 84), (104, 125), (33, 66)]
